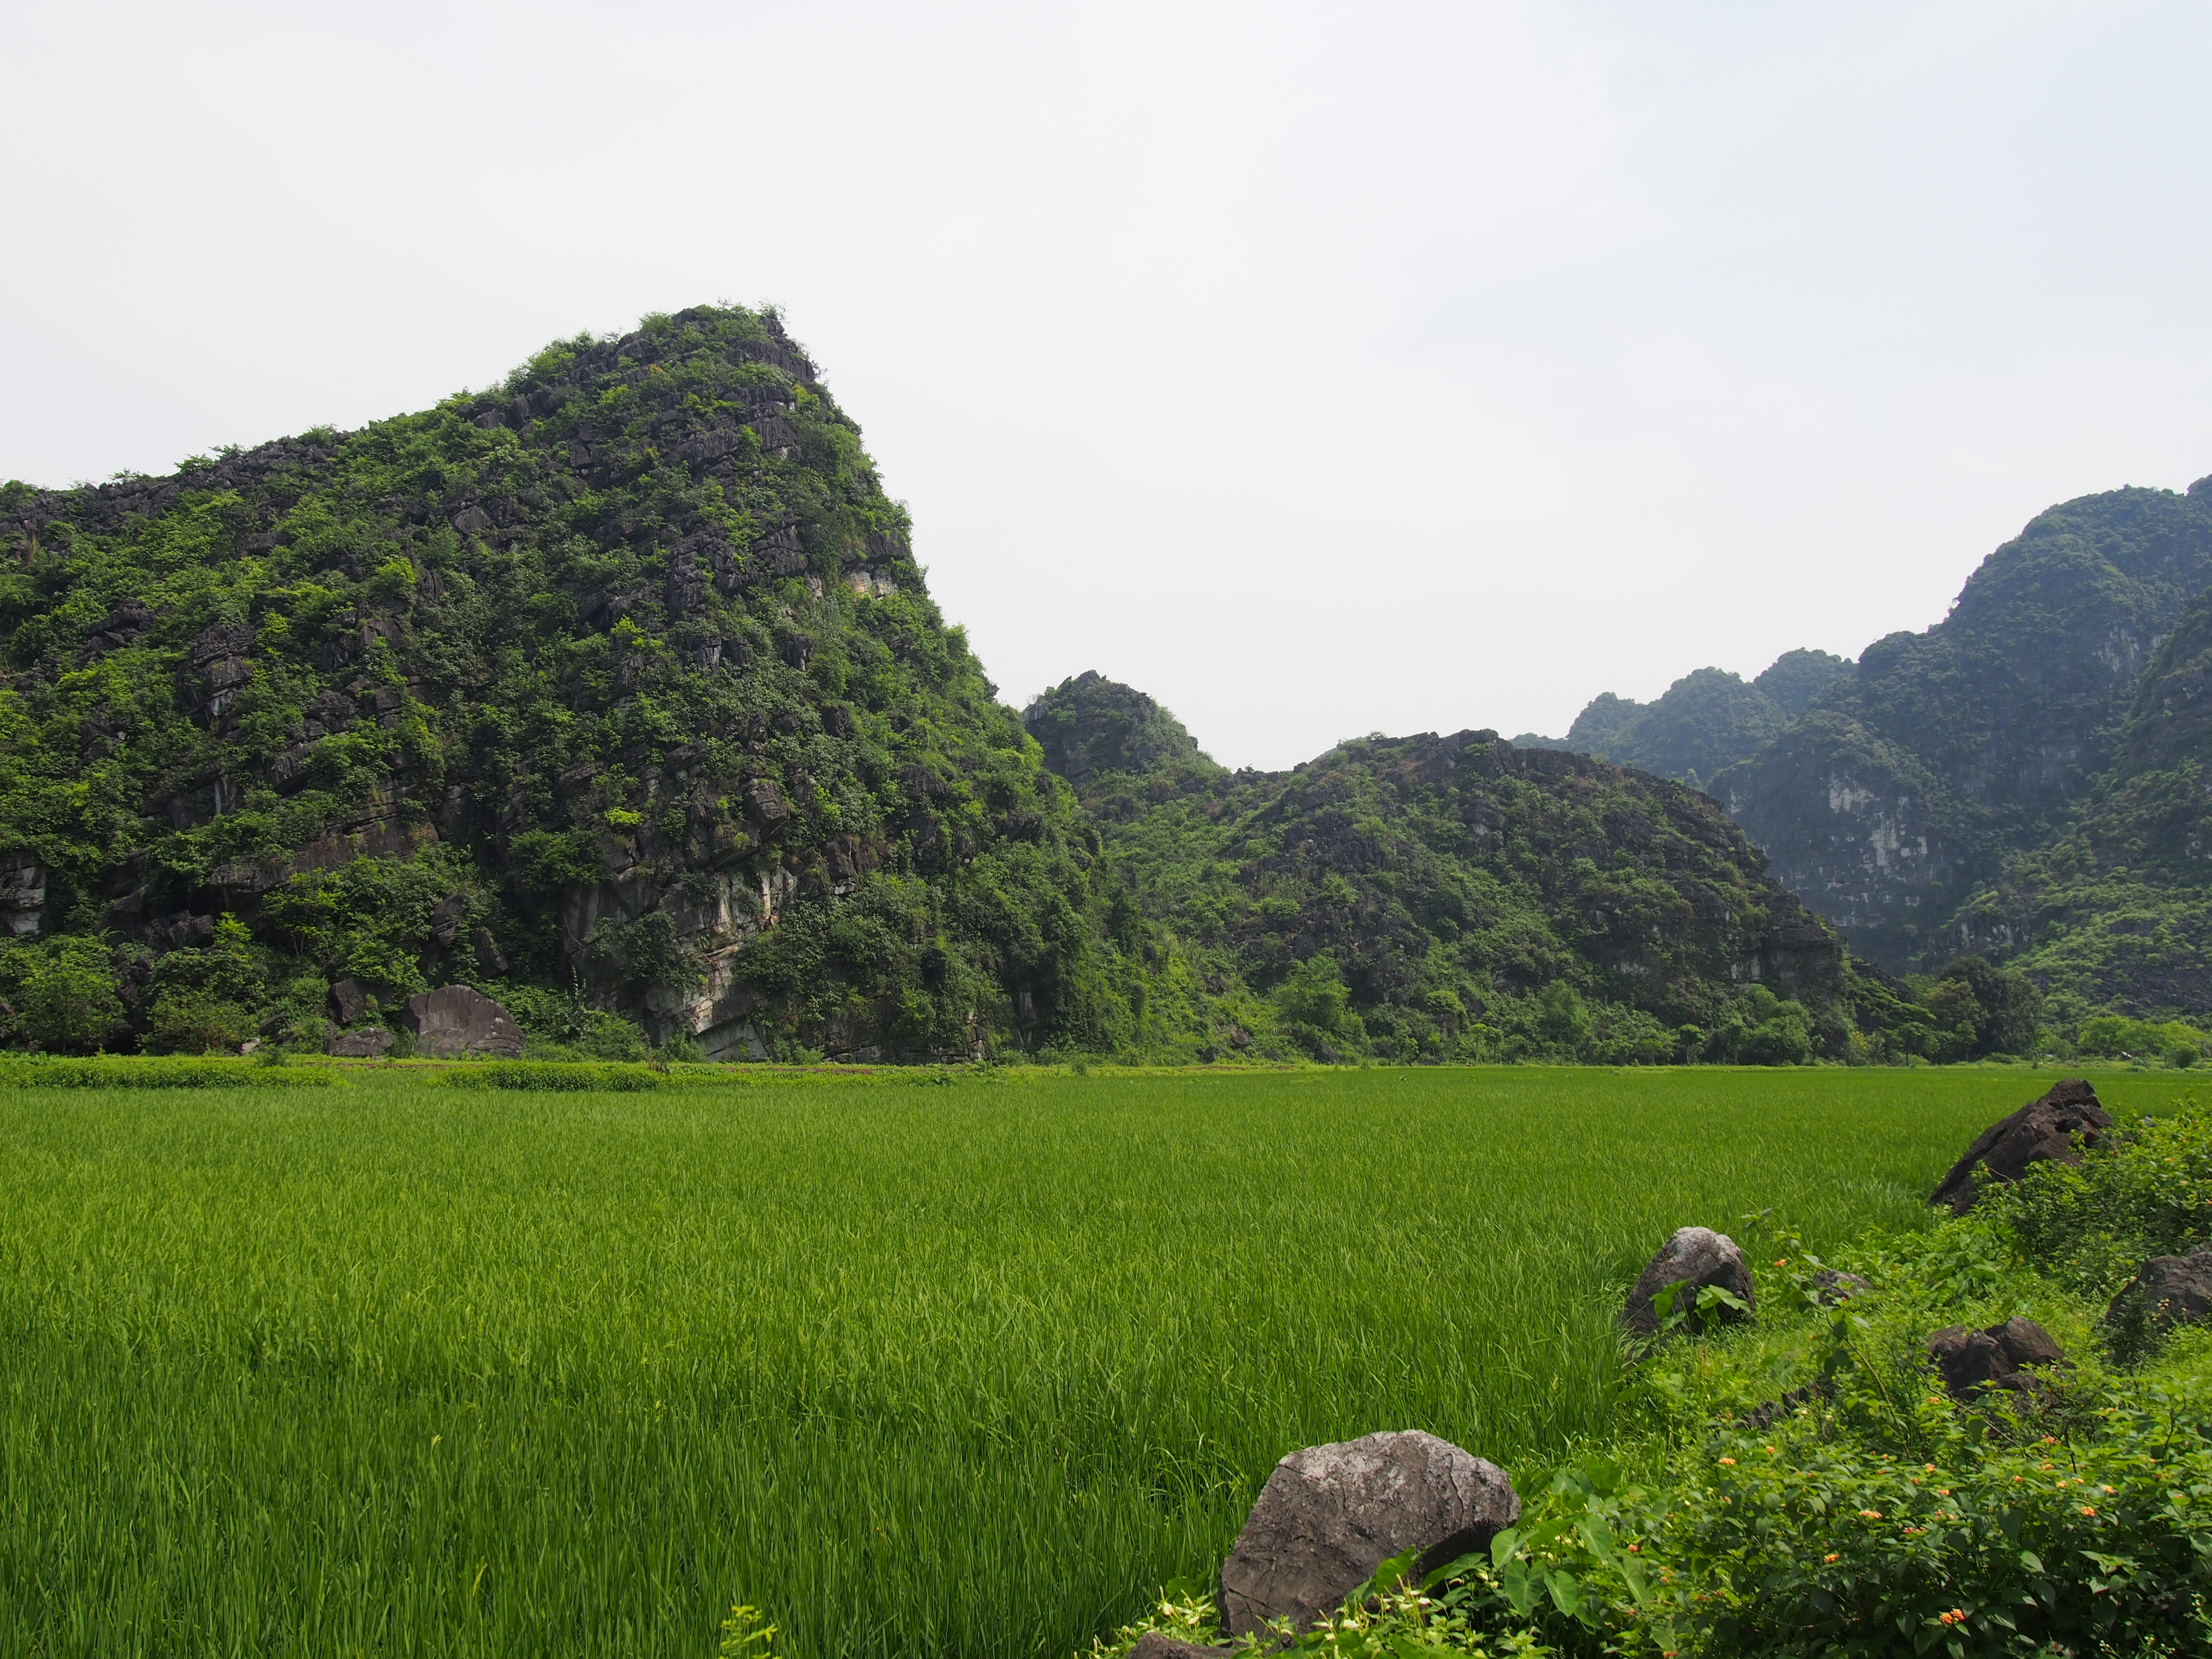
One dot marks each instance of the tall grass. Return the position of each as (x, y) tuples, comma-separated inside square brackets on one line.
[(399, 1368)]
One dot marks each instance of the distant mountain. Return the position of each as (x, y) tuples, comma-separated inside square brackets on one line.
[(1707, 721), (1904, 791), (2115, 911), (1432, 896)]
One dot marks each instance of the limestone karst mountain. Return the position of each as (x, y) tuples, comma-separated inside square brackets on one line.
[(1954, 791), (616, 686)]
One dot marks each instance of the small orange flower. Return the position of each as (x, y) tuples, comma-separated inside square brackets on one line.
[(2086, 1510), (1831, 1559), (1727, 1463), (1870, 1515)]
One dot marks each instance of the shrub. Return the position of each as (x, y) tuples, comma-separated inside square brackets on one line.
[(2148, 1192), (2115, 1036), (560, 1025), (189, 1022), (63, 993), (104, 1073), (1763, 1029), (556, 1078)]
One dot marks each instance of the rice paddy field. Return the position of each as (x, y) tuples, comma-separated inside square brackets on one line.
[(961, 1367)]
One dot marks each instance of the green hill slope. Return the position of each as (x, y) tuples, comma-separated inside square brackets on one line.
[(1432, 896), (619, 681)]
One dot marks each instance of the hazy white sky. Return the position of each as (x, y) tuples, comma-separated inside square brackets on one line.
[(1319, 370)]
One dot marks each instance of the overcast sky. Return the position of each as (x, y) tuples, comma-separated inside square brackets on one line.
[(1319, 370)]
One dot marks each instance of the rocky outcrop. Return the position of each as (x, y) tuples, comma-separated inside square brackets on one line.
[(1330, 1515), (2169, 1290), (2001, 1357), (458, 1022), (1695, 1258), (2056, 1126), (365, 1043), (1091, 724)]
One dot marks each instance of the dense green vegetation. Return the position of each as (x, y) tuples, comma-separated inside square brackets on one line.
[(1806, 1485), (2115, 911), (614, 688), (1707, 721), (1459, 898), (1434, 897), (1992, 784), (2020, 782), (396, 1367), (616, 692)]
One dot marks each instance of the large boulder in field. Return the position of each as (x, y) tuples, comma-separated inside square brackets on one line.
[(457, 1021), (1694, 1258), (2170, 1290), (1995, 1358), (365, 1044), (1330, 1515), (2045, 1128)]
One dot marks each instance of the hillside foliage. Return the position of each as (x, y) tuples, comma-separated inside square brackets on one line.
[(619, 681)]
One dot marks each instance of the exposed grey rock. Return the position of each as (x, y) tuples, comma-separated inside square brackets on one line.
[(488, 951), (2027, 1343), (459, 1021), (1329, 1514), (1695, 1257), (367, 1043), (1972, 1361), (2170, 1290), (1830, 1286), (350, 998), (1154, 1645), (2045, 1128)]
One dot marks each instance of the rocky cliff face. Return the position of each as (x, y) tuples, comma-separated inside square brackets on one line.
[(620, 679), (1905, 787), (2115, 912)]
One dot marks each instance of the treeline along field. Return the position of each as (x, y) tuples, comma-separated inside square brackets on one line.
[(397, 1368)]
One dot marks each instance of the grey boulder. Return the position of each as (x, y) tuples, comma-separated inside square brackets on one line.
[(1330, 1515), (1995, 1358), (458, 1022), (2170, 1290), (2046, 1129), (1695, 1258), (350, 998), (365, 1044)]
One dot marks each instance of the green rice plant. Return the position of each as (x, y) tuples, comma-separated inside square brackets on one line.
[(120, 1073), (967, 1369), (554, 1077)]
